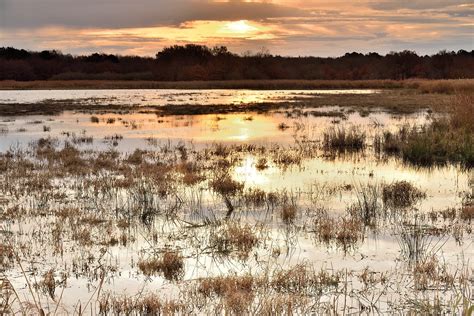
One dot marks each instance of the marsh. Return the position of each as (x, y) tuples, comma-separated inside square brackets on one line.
[(131, 211)]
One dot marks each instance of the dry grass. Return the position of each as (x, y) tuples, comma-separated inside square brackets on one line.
[(256, 197), (467, 213), (423, 85), (48, 284), (430, 274), (401, 194), (261, 164), (234, 238), (6, 257), (171, 265), (301, 279), (445, 140), (367, 208), (88, 203), (149, 304), (288, 213), (341, 139), (236, 292), (445, 86), (344, 232), (226, 186)]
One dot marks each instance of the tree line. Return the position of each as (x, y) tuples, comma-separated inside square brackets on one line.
[(198, 62)]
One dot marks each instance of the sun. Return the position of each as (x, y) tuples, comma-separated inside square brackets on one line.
[(239, 27)]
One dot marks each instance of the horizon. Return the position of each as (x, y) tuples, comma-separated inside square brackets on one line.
[(267, 52), (284, 27)]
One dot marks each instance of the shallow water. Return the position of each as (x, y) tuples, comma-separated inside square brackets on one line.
[(144, 97), (252, 128), (319, 173), (442, 184)]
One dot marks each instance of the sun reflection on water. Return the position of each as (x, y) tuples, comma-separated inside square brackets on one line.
[(248, 173)]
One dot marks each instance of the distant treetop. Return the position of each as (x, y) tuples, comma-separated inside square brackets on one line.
[(200, 62)]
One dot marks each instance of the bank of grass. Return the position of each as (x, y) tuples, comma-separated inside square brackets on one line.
[(447, 139), (421, 85)]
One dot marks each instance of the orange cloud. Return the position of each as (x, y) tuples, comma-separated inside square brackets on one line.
[(309, 27)]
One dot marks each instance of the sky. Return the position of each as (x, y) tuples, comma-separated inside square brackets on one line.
[(283, 27)]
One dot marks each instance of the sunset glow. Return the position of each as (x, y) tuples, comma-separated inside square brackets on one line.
[(286, 27), (239, 27)]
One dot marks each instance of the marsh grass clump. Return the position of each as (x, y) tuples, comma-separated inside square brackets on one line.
[(192, 173), (255, 197), (236, 238), (280, 292), (261, 164), (349, 232), (467, 213), (83, 236), (401, 194), (236, 292), (417, 240), (343, 232), (388, 142), (285, 159), (136, 158), (82, 139), (220, 150), (288, 213), (48, 284), (371, 278), (223, 285), (303, 280), (342, 139), (226, 186), (148, 304), (430, 274), (6, 257), (367, 208), (150, 266), (113, 139), (171, 265)]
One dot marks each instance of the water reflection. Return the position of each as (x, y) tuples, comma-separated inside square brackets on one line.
[(247, 172), (443, 185), (145, 97)]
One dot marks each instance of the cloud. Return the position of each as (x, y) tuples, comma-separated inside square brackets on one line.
[(126, 13), (416, 4), (286, 27)]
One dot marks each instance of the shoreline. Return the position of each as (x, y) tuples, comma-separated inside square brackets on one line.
[(448, 86)]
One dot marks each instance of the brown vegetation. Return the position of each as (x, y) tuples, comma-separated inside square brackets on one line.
[(171, 264), (401, 194), (447, 139), (234, 237)]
